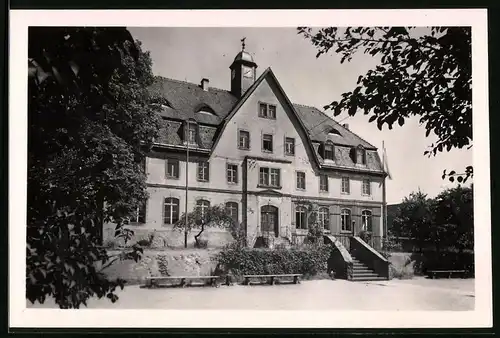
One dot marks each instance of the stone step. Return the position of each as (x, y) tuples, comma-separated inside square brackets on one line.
[(364, 274), (367, 279), (363, 271)]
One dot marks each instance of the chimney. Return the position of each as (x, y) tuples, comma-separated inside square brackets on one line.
[(204, 84), (346, 126)]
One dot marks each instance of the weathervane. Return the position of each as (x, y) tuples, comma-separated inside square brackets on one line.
[(243, 44)]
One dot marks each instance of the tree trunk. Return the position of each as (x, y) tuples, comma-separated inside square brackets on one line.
[(199, 234)]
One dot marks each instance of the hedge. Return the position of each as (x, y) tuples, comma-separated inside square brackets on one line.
[(309, 261)]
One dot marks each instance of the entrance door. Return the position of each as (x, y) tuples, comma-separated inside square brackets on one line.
[(269, 221)]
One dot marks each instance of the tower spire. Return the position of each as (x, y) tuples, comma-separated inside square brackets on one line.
[(243, 44)]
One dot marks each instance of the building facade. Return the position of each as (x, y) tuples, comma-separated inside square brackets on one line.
[(264, 158)]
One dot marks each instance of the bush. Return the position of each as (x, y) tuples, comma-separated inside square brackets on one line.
[(201, 244), (404, 273), (432, 260), (162, 265), (309, 260)]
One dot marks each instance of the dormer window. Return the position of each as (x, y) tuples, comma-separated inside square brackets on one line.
[(360, 155), (334, 131), (204, 109), (329, 151), (190, 133)]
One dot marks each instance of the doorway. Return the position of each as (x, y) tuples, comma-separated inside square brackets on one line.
[(269, 219)]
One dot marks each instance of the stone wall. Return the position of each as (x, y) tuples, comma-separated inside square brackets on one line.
[(163, 263), (167, 238)]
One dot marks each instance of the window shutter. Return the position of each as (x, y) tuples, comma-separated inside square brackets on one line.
[(166, 167), (208, 171), (293, 215)]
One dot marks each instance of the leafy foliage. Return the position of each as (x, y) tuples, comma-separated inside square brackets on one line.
[(90, 127), (314, 227), (200, 219), (309, 260), (424, 75), (446, 222)]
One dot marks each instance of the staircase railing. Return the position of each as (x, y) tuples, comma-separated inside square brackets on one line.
[(340, 260), (345, 240), (369, 256)]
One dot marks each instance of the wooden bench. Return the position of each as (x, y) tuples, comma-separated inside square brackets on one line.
[(272, 279), (449, 273), (153, 282)]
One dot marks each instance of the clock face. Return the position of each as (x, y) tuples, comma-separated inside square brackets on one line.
[(247, 72)]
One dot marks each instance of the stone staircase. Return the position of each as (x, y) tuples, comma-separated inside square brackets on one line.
[(361, 272)]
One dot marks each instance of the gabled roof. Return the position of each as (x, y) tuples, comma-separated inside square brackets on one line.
[(186, 99), (319, 124), (267, 73)]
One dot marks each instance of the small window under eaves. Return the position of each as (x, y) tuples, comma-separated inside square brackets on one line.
[(334, 131)]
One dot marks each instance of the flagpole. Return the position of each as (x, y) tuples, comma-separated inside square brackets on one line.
[(384, 201)]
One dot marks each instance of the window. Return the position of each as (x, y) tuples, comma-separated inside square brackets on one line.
[(170, 211), (139, 214), (203, 206), (232, 210), (267, 142), (366, 220), (191, 133), (269, 177), (345, 185), (232, 173), (324, 218), (345, 220), (301, 180), (244, 140), (360, 155), (367, 187), (267, 111), (172, 168), (329, 151), (272, 112), (289, 146), (203, 171), (301, 217), (323, 182)]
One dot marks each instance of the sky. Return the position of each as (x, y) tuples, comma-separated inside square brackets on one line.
[(191, 54)]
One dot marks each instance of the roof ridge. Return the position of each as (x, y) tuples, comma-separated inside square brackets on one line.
[(338, 123), (192, 83)]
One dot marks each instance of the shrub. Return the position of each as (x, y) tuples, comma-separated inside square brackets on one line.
[(404, 273), (365, 236), (309, 260), (201, 244), (162, 265)]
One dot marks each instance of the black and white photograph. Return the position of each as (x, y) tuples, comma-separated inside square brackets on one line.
[(316, 166)]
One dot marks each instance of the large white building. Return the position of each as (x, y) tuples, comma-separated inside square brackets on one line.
[(253, 150)]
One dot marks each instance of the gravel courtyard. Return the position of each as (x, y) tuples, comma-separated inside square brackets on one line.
[(403, 295)]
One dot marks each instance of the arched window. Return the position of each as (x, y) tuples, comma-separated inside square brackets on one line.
[(232, 210), (324, 217), (170, 210), (366, 220), (203, 206), (329, 151), (301, 217), (345, 219)]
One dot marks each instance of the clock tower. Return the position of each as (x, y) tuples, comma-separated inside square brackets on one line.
[(243, 72)]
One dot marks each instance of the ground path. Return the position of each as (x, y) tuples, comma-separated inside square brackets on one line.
[(402, 295)]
